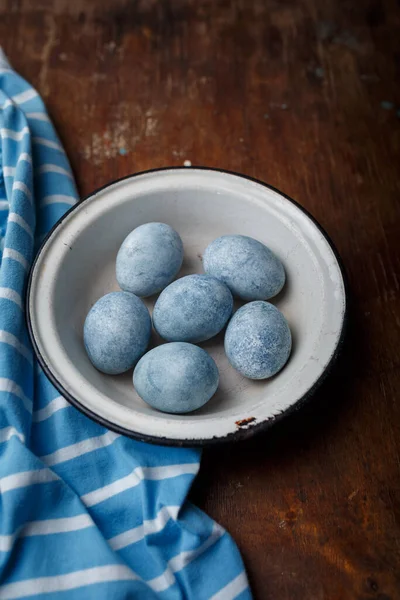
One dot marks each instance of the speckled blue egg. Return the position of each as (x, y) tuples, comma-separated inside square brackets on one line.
[(149, 259), (117, 332), (258, 340), (176, 377), (192, 309), (246, 266)]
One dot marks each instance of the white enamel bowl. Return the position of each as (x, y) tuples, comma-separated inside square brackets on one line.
[(76, 265)]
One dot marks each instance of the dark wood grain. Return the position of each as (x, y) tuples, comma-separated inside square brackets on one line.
[(305, 95)]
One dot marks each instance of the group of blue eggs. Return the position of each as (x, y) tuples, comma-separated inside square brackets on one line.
[(179, 377)]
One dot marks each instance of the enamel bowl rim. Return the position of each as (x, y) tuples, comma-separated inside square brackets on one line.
[(240, 433)]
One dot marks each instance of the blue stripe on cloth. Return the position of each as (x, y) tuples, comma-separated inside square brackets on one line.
[(44, 390), (245, 595), (14, 277), (22, 470), (141, 480), (14, 351), (65, 507), (23, 234), (109, 591), (183, 539), (10, 302), (13, 416), (117, 581), (42, 444), (198, 565), (48, 215), (84, 513)]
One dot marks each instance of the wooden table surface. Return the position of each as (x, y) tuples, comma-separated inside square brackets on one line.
[(304, 95)]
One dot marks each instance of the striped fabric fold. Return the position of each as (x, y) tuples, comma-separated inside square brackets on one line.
[(84, 512)]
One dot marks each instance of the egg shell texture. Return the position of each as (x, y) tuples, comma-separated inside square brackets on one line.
[(116, 332), (258, 340), (149, 259), (176, 377), (250, 269), (192, 309)]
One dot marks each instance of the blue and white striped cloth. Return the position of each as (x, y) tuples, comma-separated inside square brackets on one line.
[(84, 513)]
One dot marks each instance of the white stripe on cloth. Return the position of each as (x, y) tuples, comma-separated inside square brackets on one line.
[(14, 135), (19, 185), (135, 477), (180, 561), (38, 116), (83, 447), (12, 295), (46, 527), (8, 385), (68, 581), (8, 432), (4, 204), (25, 96), (41, 141), (12, 340), (26, 157), (49, 168), (162, 582), (233, 589), (58, 198), (58, 583), (79, 522), (25, 479), (10, 171), (15, 255), (148, 527), (45, 413), (16, 218), (8, 102)]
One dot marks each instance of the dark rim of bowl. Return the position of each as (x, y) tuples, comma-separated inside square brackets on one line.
[(246, 428)]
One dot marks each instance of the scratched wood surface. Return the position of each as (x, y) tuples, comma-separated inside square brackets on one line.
[(302, 94)]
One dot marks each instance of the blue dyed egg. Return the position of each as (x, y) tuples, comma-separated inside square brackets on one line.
[(149, 259), (249, 269), (192, 309), (176, 377), (117, 332), (258, 340)]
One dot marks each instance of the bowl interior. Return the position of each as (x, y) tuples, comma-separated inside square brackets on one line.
[(77, 266)]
